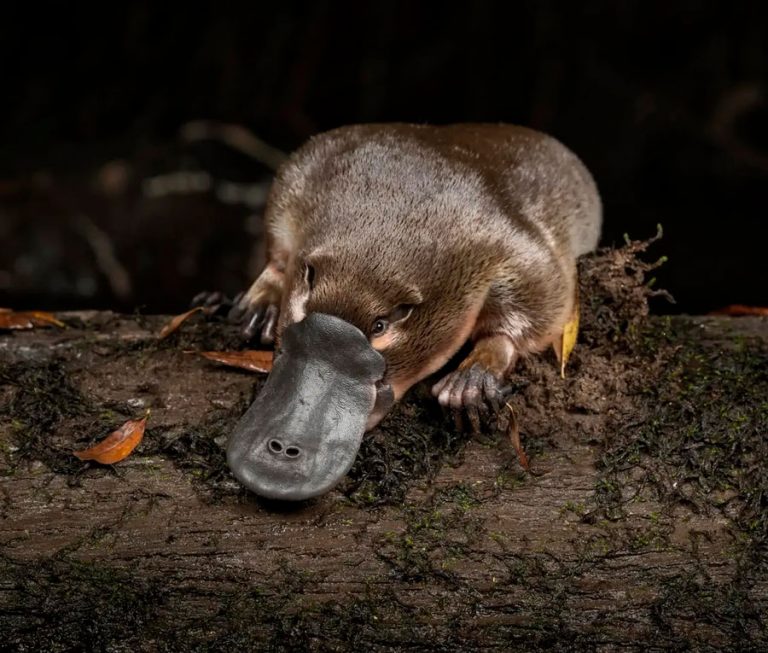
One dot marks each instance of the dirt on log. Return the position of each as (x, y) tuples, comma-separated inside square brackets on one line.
[(642, 525)]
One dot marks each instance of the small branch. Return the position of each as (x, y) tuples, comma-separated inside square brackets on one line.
[(235, 136)]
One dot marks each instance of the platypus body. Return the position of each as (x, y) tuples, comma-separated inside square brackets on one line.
[(422, 238)]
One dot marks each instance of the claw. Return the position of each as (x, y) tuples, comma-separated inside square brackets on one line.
[(270, 322), (199, 299), (472, 391), (237, 312), (214, 303), (474, 419), (458, 421), (456, 392), (253, 322), (216, 298), (438, 387), (492, 392)]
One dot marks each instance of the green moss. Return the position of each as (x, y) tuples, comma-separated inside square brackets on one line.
[(461, 495), (412, 443), (197, 450), (64, 604), (42, 399), (704, 433)]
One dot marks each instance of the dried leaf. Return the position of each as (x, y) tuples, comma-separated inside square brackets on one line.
[(118, 444), (41, 318), (570, 333), (564, 345), (513, 432), (741, 309), (10, 319), (251, 360), (177, 321)]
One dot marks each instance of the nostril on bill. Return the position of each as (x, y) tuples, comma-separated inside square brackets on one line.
[(275, 446), (292, 452)]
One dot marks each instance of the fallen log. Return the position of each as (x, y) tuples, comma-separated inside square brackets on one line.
[(642, 524)]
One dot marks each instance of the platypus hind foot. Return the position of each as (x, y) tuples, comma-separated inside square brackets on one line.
[(476, 386)]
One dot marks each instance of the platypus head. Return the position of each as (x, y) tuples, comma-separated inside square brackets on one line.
[(353, 336), (416, 303), (303, 431)]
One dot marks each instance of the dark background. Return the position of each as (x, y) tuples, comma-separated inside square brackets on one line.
[(665, 102)]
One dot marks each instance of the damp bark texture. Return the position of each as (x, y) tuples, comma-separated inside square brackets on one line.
[(642, 524)]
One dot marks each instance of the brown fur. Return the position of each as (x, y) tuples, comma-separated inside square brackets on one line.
[(478, 226)]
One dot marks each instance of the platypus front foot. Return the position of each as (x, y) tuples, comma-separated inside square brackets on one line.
[(258, 308), (256, 319), (216, 302)]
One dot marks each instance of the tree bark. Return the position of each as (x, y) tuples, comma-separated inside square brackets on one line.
[(621, 537)]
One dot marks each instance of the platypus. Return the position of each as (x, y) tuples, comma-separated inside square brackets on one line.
[(417, 240)]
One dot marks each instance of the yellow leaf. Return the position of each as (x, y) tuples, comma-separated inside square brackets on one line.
[(570, 333)]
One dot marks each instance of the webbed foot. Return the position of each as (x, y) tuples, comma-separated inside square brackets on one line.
[(257, 309), (256, 319), (472, 390), (215, 303)]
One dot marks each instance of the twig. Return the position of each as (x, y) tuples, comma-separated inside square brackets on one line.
[(235, 136)]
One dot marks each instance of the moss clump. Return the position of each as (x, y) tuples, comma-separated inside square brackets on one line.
[(614, 293), (198, 450), (438, 537), (703, 441), (726, 615), (201, 334), (64, 605), (413, 442), (42, 398)]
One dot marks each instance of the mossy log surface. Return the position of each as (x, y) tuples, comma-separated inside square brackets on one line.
[(642, 524)]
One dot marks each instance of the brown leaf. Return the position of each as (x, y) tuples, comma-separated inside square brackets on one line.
[(741, 309), (118, 444), (513, 432), (10, 319), (251, 360), (177, 321)]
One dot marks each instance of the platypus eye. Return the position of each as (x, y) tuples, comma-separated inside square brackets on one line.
[(398, 314), (380, 325)]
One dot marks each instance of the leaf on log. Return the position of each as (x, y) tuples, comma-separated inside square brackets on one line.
[(741, 309), (118, 444), (10, 319), (570, 333), (251, 360), (177, 321)]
